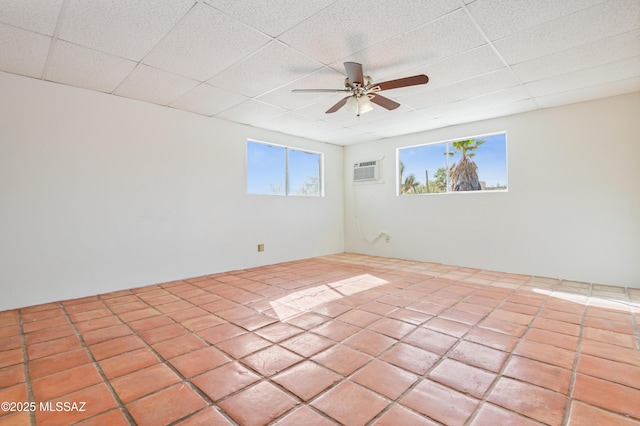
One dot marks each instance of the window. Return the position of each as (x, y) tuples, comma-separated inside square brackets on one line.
[(471, 164), (280, 170)]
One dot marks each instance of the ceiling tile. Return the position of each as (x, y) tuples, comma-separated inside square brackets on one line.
[(463, 66), (204, 43), (318, 127), (128, 29), (154, 85), (402, 119), (593, 92), (603, 20), (317, 110), (600, 52), (39, 16), (250, 112), (443, 37), (270, 67), (414, 124), (208, 100), (500, 18), (23, 52), (349, 26), (342, 139), (341, 133), (354, 139), (272, 17), (627, 68), (323, 131), (477, 114), (463, 108), (324, 78), (473, 87), (287, 122), (79, 66)]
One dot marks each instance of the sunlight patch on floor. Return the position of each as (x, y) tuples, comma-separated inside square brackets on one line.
[(309, 298), (596, 301)]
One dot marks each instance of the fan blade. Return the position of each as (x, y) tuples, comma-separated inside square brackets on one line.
[(354, 72), (401, 82), (338, 105), (384, 102), (319, 90)]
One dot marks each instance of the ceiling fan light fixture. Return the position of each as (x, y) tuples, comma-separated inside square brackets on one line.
[(359, 105), (364, 104)]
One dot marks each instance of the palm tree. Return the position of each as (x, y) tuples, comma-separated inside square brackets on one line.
[(410, 184), (440, 182), (464, 175)]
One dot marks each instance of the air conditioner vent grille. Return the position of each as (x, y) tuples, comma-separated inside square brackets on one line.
[(366, 171)]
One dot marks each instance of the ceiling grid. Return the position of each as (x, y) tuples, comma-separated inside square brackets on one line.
[(239, 60)]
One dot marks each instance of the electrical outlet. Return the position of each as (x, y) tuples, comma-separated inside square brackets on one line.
[(260, 247)]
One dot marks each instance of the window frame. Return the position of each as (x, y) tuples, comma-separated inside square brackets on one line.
[(448, 143), (287, 184)]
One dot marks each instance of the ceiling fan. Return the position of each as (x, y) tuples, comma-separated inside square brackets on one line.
[(362, 91)]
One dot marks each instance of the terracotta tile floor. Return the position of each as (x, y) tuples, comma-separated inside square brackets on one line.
[(343, 339)]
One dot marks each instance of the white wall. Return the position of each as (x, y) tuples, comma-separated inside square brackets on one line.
[(572, 210), (100, 193)]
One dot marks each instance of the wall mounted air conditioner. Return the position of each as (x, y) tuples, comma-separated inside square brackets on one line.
[(367, 171)]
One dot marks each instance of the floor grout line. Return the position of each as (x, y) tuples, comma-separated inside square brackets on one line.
[(183, 379), (95, 363), (574, 369), (25, 355), (506, 362)]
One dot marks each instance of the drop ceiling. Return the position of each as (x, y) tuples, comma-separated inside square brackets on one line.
[(238, 60)]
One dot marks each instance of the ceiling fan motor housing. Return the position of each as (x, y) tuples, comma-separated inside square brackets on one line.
[(367, 83)]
